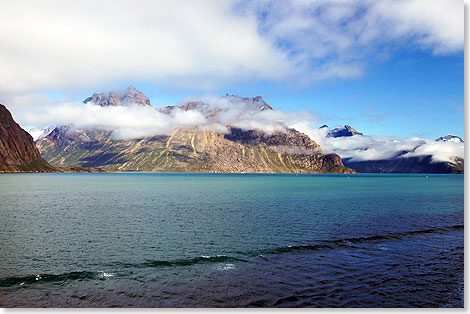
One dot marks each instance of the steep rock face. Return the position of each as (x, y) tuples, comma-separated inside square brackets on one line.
[(291, 139), (190, 150), (18, 153), (127, 97)]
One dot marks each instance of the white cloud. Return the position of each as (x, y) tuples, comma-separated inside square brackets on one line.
[(363, 147), (141, 121), (440, 151), (125, 122), (337, 38), (60, 44), (438, 25), (57, 45)]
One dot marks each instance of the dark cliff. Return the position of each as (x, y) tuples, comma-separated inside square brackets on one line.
[(18, 153)]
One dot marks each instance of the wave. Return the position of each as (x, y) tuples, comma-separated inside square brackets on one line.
[(320, 245), (187, 262), (53, 278), (348, 242), (88, 275)]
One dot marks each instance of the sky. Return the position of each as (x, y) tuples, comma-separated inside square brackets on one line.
[(387, 68)]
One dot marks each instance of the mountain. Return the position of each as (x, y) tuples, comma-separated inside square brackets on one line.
[(18, 153), (251, 104), (129, 96), (341, 132), (193, 149), (38, 133), (190, 150), (399, 163), (449, 138)]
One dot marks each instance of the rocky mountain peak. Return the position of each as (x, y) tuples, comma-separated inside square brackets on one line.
[(344, 131), (129, 96), (253, 103), (450, 138), (38, 133)]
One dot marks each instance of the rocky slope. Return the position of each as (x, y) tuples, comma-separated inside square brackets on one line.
[(18, 153), (192, 149), (189, 150)]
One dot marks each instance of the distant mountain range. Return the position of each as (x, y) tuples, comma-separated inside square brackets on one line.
[(400, 163), (191, 149)]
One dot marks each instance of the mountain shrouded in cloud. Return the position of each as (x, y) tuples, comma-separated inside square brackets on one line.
[(226, 116), (131, 119), (221, 134), (450, 138), (388, 154)]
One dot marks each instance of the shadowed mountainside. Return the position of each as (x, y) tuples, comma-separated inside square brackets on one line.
[(18, 153), (190, 150)]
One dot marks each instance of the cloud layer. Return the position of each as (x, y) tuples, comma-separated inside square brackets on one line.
[(216, 114), (364, 147), (337, 38), (136, 121), (56, 45)]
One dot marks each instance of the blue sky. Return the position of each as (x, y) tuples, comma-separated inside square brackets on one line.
[(384, 67), (412, 94)]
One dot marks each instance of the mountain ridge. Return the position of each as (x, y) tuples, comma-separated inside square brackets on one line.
[(400, 163), (185, 150), (194, 149)]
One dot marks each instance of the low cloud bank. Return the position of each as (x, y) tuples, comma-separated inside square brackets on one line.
[(216, 114), (125, 122), (364, 148), (135, 121), (248, 116)]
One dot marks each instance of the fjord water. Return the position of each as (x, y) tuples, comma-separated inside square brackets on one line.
[(230, 240)]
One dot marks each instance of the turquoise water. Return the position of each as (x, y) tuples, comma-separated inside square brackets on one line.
[(162, 239)]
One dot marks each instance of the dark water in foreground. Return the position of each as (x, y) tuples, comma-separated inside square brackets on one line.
[(231, 240)]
